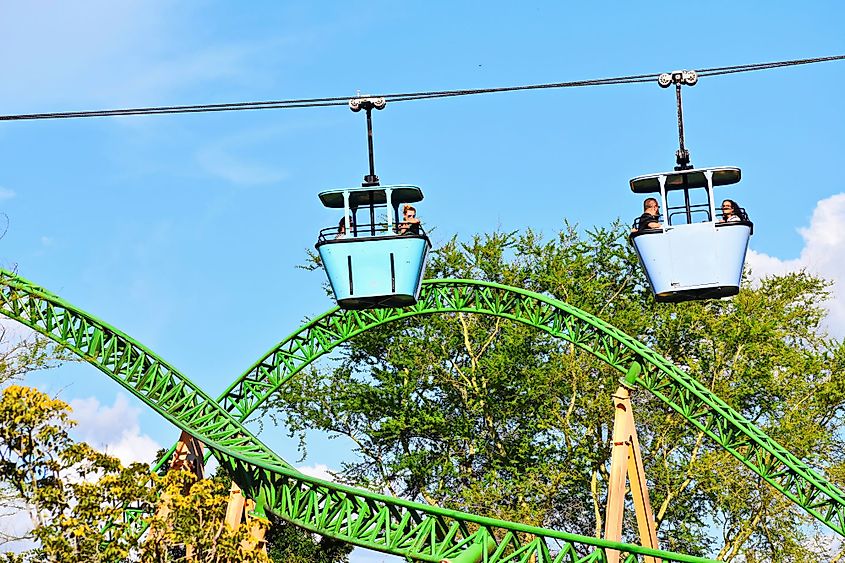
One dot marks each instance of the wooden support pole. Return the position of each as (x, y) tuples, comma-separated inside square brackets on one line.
[(235, 507), (618, 468), (257, 528), (626, 459), (188, 456), (639, 489), (239, 510)]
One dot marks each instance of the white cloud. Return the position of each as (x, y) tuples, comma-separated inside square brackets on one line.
[(824, 544), (320, 471), (220, 159), (105, 53), (237, 170), (66, 46), (15, 522), (12, 332), (178, 71), (114, 429), (823, 254), (360, 555)]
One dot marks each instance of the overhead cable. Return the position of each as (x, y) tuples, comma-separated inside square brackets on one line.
[(401, 97), (765, 66)]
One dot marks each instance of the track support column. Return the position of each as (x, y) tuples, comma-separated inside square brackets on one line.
[(238, 510), (188, 456), (626, 459)]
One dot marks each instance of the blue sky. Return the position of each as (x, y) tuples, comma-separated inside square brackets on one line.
[(185, 230)]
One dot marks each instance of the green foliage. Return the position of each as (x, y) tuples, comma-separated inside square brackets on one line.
[(189, 525), (72, 491), (495, 418), (20, 356), (289, 544)]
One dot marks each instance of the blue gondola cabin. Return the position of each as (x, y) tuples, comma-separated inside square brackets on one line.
[(694, 254), (372, 258)]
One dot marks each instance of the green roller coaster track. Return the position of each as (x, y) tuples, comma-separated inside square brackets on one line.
[(405, 528)]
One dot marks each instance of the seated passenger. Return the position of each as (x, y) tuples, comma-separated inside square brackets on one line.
[(731, 211), (650, 217), (410, 225), (341, 228)]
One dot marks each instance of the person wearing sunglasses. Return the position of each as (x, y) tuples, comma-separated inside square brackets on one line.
[(410, 225), (650, 217)]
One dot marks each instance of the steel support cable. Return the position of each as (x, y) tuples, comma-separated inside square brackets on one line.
[(684, 394), (308, 497), (313, 102), (401, 97), (207, 108), (765, 66), (469, 92)]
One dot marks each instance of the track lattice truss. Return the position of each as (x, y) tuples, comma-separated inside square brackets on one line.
[(405, 528)]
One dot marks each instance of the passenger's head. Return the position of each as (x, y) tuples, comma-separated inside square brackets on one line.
[(650, 205), (341, 226), (409, 211), (729, 207)]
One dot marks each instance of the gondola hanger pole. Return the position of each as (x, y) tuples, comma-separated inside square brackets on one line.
[(367, 104), (682, 157), (372, 176), (679, 78)]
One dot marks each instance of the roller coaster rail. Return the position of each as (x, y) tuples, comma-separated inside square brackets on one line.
[(642, 366), (367, 519)]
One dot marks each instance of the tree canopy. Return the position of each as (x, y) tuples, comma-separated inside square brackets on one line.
[(493, 417)]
